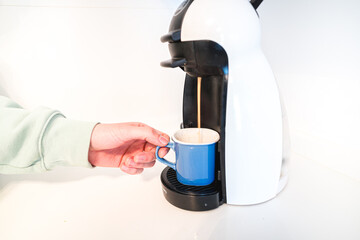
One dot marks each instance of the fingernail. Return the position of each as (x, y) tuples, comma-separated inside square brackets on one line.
[(163, 140)]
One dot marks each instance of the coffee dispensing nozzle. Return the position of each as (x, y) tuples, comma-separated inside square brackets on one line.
[(197, 58), (256, 3)]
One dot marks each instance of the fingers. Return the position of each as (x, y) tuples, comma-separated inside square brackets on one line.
[(163, 152), (140, 131), (131, 170), (135, 164), (151, 148), (132, 167), (135, 159), (131, 162), (144, 157), (130, 152)]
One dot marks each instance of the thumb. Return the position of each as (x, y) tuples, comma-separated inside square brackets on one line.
[(147, 133)]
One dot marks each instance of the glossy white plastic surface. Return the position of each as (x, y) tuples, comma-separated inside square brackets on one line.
[(253, 144)]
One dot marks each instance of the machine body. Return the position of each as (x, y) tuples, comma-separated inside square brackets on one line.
[(220, 42)]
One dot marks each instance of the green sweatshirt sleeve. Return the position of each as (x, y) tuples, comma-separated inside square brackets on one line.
[(41, 139)]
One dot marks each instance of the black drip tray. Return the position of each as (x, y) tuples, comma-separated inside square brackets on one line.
[(194, 198), (187, 189)]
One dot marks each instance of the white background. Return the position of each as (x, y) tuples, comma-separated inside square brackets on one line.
[(314, 49), (99, 61)]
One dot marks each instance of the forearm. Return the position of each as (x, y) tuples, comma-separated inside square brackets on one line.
[(39, 140)]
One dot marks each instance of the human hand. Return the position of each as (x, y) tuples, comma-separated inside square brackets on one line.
[(128, 146)]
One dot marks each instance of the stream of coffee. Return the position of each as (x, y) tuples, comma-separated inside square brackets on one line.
[(199, 108)]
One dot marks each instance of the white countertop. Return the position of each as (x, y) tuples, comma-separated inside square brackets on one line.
[(73, 203)]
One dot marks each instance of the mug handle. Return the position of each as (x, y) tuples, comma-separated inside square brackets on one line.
[(163, 160)]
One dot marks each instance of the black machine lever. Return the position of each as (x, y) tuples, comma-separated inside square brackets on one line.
[(256, 3), (173, 36), (173, 63)]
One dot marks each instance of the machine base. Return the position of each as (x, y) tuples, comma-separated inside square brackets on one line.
[(193, 198)]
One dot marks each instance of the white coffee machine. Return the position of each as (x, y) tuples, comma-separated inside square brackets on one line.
[(220, 42)]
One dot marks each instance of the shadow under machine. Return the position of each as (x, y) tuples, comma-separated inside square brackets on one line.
[(219, 41)]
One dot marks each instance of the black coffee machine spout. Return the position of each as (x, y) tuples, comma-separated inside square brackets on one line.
[(256, 3), (197, 58), (174, 62)]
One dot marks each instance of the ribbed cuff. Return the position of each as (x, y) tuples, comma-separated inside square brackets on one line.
[(65, 142)]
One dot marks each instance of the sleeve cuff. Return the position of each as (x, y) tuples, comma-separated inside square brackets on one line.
[(65, 142)]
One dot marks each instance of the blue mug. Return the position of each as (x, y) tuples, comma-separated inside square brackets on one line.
[(195, 155)]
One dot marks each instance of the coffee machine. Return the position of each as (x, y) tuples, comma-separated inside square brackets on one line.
[(219, 41)]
